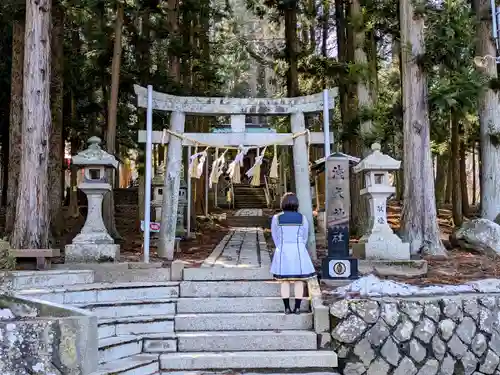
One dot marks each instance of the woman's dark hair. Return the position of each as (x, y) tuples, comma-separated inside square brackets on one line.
[(290, 202)]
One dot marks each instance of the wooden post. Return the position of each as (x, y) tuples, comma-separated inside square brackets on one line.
[(171, 187), (302, 183)]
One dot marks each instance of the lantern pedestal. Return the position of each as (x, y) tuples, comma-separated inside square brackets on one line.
[(93, 243), (380, 242)]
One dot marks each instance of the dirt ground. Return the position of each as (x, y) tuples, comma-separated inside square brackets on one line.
[(209, 232), (460, 267)]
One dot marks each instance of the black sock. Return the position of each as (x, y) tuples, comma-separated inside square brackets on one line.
[(286, 302), (297, 303)]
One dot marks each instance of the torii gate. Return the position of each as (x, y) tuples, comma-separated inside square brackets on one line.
[(237, 108)]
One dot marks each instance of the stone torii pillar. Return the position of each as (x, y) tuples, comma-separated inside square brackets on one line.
[(302, 182), (166, 245)]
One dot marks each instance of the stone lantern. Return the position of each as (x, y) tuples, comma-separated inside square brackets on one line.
[(380, 242), (93, 243)]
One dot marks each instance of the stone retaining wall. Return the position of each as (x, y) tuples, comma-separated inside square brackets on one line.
[(39, 337), (451, 335)]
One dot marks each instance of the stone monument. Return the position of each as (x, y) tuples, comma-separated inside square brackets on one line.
[(157, 184), (380, 242), (180, 229), (157, 201), (93, 243), (338, 264)]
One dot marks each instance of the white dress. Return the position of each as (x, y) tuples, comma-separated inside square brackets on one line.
[(291, 261)]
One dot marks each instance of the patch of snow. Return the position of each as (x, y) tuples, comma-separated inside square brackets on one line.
[(372, 286), (6, 314)]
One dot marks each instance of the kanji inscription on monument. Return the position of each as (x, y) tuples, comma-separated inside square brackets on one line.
[(337, 169), (338, 264)]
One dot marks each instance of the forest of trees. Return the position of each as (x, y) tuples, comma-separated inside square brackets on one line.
[(418, 76)]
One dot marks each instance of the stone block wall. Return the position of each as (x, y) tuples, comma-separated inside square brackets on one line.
[(45, 338), (452, 335)]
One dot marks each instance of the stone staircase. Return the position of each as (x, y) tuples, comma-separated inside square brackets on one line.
[(246, 196), (215, 319)]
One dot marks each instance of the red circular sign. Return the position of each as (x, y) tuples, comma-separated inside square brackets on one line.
[(154, 226)]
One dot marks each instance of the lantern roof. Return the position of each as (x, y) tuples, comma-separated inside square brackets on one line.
[(377, 161), (94, 155)]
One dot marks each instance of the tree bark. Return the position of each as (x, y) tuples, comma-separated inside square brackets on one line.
[(474, 181), (441, 173), (109, 202), (173, 22), (31, 229), (73, 210), (489, 116), (455, 168), (291, 48), (463, 179), (359, 204), (56, 140), (16, 122), (342, 54), (419, 217), (449, 181)]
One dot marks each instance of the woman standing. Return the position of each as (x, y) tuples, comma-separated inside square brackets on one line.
[(291, 261)]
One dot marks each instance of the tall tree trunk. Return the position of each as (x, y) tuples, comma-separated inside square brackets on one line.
[(173, 22), (16, 122), (474, 181), (455, 167), (144, 56), (31, 229), (489, 116), (398, 137), (325, 29), (109, 202), (341, 52), (449, 181), (73, 210), (463, 178), (359, 204), (419, 217), (291, 51), (56, 140), (441, 173)]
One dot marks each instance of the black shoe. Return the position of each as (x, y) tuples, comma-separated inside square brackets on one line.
[(296, 310), (286, 302)]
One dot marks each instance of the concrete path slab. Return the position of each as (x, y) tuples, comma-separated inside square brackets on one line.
[(243, 247)]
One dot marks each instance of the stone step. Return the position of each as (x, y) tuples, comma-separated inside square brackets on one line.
[(125, 309), (135, 326), (159, 343), (234, 341), (229, 289), (248, 360), (118, 347), (288, 371), (243, 322), (227, 274), (106, 292), (233, 305), (140, 364), (49, 279)]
